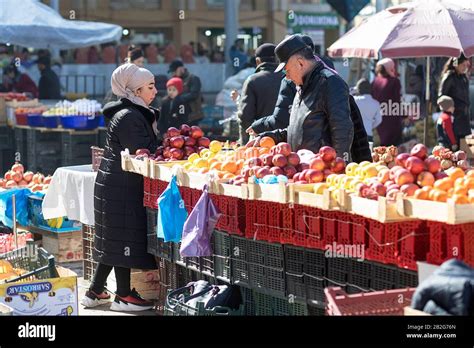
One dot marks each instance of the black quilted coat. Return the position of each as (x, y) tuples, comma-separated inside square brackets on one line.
[(120, 218)]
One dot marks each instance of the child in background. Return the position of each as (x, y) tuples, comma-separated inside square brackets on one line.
[(444, 125), (368, 106), (174, 112)]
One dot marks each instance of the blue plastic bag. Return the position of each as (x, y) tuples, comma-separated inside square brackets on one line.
[(198, 228), (6, 206), (171, 213)]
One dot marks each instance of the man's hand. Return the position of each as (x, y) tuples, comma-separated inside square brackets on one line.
[(250, 131)]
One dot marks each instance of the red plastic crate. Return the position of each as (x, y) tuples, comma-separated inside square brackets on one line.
[(414, 246), (233, 214), (315, 222), (387, 302), (330, 223), (344, 229), (359, 230)]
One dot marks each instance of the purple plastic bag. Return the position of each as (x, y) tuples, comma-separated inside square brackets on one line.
[(198, 228)]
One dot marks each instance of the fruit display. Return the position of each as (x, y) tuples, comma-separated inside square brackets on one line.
[(80, 107), (413, 174), (178, 145), (14, 96), (8, 242), (450, 159), (17, 177), (267, 163), (41, 109), (385, 155)]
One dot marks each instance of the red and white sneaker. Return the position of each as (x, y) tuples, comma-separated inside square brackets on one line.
[(91, 299), (131, 303)]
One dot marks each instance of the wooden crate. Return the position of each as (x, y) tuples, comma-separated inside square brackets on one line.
[(268, 192), (304, 195), (130, 164), (226, 189), (381, 210), (448, 212), (147, 283), (164, 170), (65, 246)]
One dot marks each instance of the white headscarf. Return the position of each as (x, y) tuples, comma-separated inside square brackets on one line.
[(127, 78)]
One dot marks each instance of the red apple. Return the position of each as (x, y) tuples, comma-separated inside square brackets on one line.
[(142, 152), (463, 164), (302, 166), (196, 132), (283, 149), (159, 151), (188, 141), (17, 176), (8, 175), (327, 153), (279, 160), (415, 165), (11, 184), (409, 189), (317, 164), (177, 154), (389, 182), (326, 173), (401, 159), (404, 176), (166, 142), (460, 155), (255, 162), (393, 171), (277, 171), (380, 189), (338, 165), (204, 142), (184, 129), (177, 142), (200, 148), (262, 172), (290, 171), (166, 152), (425, 179), (293, 159), (314, 176), (28, 176), (173, 132), (440, 175), (159, 158), (296, 177), (267, 160), (18, 167), (383, 175), (420, 151), (188, 150), (433, 165), (246, 172)]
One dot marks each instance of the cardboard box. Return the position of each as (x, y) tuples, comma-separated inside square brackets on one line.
[(51, 297), (65, 246), (147, 283)]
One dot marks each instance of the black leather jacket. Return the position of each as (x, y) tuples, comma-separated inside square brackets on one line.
[(320, 115)]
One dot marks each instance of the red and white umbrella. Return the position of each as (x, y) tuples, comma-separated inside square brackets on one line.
[(434, 28), (427, 28)]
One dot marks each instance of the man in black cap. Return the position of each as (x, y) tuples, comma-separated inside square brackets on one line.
[(260, 90), (191, 92), (49, 86), (281, 114), (320, 114)]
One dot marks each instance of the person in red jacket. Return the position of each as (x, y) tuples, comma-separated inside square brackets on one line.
[(445, 122), (19, 82)]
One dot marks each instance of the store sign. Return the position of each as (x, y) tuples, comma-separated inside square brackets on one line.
[(299, 20)]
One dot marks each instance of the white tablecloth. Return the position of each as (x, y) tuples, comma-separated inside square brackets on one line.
[(71, 194)]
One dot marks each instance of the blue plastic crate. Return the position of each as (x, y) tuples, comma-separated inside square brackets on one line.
[(35, 120), (79, 122), (51, 121)]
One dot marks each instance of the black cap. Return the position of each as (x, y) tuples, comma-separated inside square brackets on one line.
[(175, 64), (287, 48), (45, 60), (308, 40), (266, 50)]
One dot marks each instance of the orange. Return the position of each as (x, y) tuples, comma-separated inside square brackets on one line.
[(228, 176), (470, 173), (461, 190), (459, 199), (263, 150), (267, 142), (469, 182), (444, 184), (436, 195), (229, 166), (240, 164), (216, 166), (203, 170), (421, 194), (459, 182), (455, 173), (426, 188)]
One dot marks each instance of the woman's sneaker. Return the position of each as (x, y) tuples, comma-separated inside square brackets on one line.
[(131, 303), (92, 299)]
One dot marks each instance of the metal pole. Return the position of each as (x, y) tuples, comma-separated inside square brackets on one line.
[(427, 98), (15, 234), (231, 24)]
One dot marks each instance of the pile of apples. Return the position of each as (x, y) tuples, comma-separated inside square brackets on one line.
[(450, 159), (17, 177), (278, 163), (178, 144), (12, 95), (32, 110)]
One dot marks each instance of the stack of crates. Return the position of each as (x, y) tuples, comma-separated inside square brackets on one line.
[(6, 148)]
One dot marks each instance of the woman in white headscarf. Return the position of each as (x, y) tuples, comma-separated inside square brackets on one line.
[(120, 218)]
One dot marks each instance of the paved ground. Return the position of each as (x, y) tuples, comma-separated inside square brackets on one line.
[(103, 310)]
